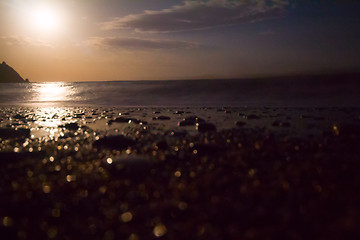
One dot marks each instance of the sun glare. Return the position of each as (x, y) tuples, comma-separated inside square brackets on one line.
[(45, 18), (50, 92)]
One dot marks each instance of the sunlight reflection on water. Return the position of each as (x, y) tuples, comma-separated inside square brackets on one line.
[(52, 92)]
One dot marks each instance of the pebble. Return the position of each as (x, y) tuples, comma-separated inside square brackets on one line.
[(253, 116), (72, 126), (161, 118), (14, 133), (205, 127), (240, 123)]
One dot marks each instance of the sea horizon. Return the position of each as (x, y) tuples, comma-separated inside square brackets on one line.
[(294, 91)]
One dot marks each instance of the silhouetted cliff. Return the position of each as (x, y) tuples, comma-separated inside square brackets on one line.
[(9, 75)]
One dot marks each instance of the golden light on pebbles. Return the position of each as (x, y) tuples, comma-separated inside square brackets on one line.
[(57, 168), (159, 230), (70, 178), (51, 159), (133, 236), (52, 232), (336, 130), (252, 172), (177, 174), (16, 149), (109, 160), (30, 173), (126, 217), (46, 188), (7, 221), (102, 189)]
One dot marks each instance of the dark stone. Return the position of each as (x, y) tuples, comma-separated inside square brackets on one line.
[(161, 118), (126, 120), (184, 123), (176, 133), (240, 123), (14, 133), (179, 112), (194, 119), (190, 121), (253, 116), (72, 126), (79, 115), (120, 120), (114, 142), (138, 121), (205, 127), (18, 116)]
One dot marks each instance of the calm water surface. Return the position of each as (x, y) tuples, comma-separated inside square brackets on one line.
[(181, 93)]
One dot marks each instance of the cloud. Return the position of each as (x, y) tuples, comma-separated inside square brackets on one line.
[(196, 15), (132, 43), (22, 41)]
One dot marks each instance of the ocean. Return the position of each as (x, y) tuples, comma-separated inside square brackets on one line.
[(193, 93)]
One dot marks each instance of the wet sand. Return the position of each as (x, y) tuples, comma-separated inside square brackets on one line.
[(179, 173)]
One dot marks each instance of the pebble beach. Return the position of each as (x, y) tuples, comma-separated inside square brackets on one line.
[(179, 173)]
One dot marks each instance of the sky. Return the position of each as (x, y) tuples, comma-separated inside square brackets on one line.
[(98, 40)]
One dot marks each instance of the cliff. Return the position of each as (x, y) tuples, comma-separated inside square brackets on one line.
[(9, 75)]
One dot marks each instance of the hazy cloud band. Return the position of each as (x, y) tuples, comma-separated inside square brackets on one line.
[(132, 43), (196, 15)]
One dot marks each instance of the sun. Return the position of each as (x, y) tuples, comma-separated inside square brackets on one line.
[(45, 19)]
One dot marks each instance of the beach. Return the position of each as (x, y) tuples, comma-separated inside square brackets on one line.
[(179, 172), (179, 120)]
